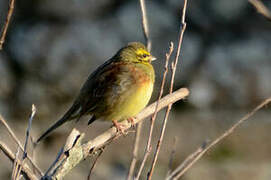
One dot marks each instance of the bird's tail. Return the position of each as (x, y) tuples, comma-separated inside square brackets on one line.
[(73, 112), (53, 127)]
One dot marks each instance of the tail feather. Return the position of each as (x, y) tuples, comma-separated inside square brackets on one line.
[(93, 118), (71, 114), (53, 127)]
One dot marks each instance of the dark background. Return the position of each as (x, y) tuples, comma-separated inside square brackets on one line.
[(52, 46)]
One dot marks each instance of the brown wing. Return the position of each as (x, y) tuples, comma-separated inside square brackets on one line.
[(104, 87), (86, 100)]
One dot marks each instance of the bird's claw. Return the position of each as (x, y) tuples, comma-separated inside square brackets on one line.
[(132, 121), (120, 127)]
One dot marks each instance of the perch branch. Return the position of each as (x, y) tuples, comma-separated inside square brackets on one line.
[(79, 151)]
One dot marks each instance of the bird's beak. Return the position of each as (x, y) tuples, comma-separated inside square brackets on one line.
[(153, 58)]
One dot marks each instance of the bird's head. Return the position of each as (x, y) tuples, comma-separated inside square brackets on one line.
[(135, 52)]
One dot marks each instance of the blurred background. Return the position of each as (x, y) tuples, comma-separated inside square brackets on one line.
[(52, 46)]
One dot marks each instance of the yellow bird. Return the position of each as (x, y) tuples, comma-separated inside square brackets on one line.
[(117, 90)]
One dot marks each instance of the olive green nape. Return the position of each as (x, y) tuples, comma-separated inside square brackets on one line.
[(137, 45)]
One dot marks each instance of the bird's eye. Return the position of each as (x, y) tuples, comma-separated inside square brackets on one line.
[(145, 55)]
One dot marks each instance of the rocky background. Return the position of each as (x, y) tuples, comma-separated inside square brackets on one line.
[(52, 46)]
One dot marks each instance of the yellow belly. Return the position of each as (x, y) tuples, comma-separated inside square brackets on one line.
[(133, 103)]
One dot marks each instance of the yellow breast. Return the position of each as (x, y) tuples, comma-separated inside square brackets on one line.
[(139, 99), (132, 95)]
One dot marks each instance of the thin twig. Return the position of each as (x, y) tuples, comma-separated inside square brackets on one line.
[(261, 8), (5, 28), (80, 151), (181, 171), (148, 146), (187, 161), (94, 163), (145, 25), (14, 137), (25, 169), (135, 152), (145, 28), (16, 170), (55, 161), (28, 130), (14, 166), (69, 144), (11, 132), (174, 67)]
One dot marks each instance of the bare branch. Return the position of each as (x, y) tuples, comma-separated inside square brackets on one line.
[(28, 173), (5, 28), (16, 170), (261, 8), (145, 24), (194, 157), (14, 137), (187, 161), (72, 156), (70, 143), (28, 130), (12, 134), (95, 162), (145, 28), (135, 152), (148, 146), (81, 151), (174, 67), (59, 155)]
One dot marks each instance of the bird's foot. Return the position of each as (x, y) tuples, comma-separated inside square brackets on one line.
[(120, 127), (132, 121)]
